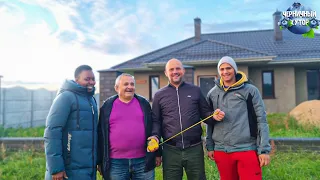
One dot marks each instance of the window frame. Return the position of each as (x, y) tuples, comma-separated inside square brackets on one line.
[(205, 76), (150, 86), (318, 72), (272, 83)]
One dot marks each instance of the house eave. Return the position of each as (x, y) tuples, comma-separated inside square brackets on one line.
[(125, 69), (295, 61), (107, 70), (214, 62)]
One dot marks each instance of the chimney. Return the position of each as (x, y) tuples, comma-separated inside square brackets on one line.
[(197, 29), (276, 29)]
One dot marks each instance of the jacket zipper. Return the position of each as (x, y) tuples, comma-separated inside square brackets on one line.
[(92, 134), (180, 117), (218, 102)]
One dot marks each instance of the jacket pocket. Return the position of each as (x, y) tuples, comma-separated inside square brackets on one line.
[(81, 149), (218, 134)]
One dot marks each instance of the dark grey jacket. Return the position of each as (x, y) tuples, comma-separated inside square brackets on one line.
[(175, 109), (245, 124)]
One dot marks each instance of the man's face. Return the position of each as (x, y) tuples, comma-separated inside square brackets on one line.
[(126, 87), (227, 73), (86, 79), (174, 71)]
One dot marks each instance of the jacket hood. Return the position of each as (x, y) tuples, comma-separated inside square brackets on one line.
[(241, 78), (71, 85)]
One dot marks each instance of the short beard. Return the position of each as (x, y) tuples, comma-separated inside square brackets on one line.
[(177, 82)]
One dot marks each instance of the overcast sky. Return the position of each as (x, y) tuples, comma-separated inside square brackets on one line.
[(45, 40)]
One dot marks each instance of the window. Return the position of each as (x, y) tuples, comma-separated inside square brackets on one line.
[(206, 83), (268, 85), (313, 84), (154, 86)]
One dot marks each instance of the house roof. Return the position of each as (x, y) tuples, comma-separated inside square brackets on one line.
[(209, 50), (243, 44)]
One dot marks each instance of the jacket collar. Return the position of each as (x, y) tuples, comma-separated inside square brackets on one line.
[(114, 97), (182, 84), (241, 78)]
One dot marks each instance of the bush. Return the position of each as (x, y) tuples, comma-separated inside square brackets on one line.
[(22, 132)]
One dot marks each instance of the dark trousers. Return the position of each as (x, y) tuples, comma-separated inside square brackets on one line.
[(191, 159)]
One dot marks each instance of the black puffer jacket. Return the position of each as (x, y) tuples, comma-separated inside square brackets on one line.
[(103, 134), (175, 109)]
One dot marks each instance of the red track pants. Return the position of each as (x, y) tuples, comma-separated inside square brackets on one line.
[(238, 165)]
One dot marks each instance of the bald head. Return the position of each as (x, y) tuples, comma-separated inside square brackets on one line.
[(173, 62), (174, 71)]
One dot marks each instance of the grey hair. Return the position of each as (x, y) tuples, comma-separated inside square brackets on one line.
[(116, 83)]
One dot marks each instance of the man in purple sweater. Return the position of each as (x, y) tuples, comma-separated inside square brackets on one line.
[(125, 122)]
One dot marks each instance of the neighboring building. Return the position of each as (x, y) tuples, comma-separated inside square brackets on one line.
[(284, 66)]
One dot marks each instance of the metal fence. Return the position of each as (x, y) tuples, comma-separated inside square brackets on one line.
[(21, 107)]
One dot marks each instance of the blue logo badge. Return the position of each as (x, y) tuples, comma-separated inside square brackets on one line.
[(299, 19)]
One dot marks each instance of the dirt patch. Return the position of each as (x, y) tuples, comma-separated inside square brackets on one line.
[(307, 113)]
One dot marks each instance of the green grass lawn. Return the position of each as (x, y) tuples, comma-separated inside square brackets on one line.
[(291, 166), (283, 126), (280, 126)]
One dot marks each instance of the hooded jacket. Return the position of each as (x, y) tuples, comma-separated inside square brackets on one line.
[(71, 133), (244, 126)]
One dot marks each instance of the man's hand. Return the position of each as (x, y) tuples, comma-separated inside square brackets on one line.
[(99, 169), (264, 159), (218, 115), (59, 176), (154, 149), (211, 155), (158, 161)]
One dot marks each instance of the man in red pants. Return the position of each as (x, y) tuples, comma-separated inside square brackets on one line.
[(239, 144)]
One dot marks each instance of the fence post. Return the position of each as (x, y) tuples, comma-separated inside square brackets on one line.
[(4, 107), (1, 105), (31, 116)]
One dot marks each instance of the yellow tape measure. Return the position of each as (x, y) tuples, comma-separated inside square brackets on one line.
[(153, 144)]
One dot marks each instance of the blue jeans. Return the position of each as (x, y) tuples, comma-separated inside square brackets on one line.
[(126, 169)]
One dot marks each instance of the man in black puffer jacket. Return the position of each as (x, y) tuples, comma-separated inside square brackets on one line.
[(71, 130)]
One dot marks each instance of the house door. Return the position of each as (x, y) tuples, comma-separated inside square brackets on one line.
[(313, 83)]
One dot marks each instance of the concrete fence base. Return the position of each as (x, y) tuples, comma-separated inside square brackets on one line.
[(278, 144), (28, 143), (295, 144)]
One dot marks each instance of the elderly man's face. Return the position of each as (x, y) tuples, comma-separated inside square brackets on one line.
[(86, 79), (126, 87)]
